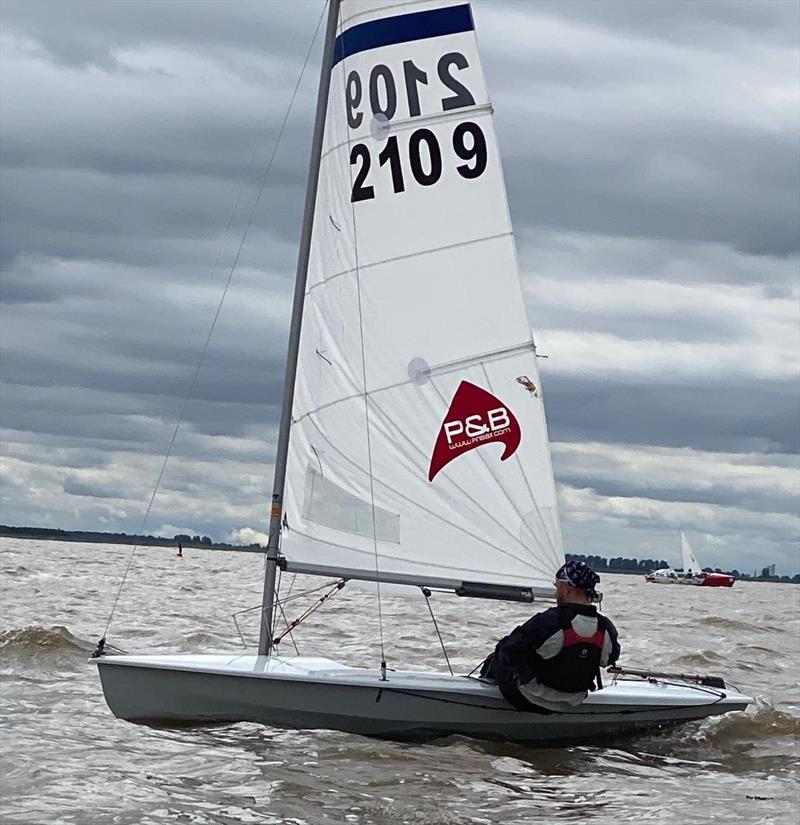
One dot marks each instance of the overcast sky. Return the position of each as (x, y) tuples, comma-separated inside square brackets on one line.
[(651, 156)]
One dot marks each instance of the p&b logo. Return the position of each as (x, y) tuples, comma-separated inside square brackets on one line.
[(476, 417), (473, 426)]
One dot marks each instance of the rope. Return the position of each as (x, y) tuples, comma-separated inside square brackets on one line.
[(314, 607), (356, 271), (283, 613), (427, 594), (289, 630), (275, 596), (480, 664), (279, 603), (188, 397)]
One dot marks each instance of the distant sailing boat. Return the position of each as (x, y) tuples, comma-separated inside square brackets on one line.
[(413, 446), (692, 572)]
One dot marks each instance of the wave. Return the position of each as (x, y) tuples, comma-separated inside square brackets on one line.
[(736, 624), (701, 658), (759, 722), (39, 645), (757, 649), (748, 659), (201, 640), (759, 738), (19, 570), (732, 732)]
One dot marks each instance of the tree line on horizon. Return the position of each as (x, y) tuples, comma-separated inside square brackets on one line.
[(56, 534), (644, 566), (618, 564)]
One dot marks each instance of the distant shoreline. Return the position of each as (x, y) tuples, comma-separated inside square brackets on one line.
[(205, 543), (89, 537)]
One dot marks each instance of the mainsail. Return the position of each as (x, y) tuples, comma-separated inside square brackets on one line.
[(418, 442), (690, 563)]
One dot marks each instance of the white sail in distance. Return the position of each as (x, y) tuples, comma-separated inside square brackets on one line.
[(418, 440), (690, 563)]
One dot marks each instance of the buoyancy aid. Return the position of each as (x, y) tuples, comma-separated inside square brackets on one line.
[(577, 666)]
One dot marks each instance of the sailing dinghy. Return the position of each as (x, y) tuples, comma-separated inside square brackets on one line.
[(691, 573), (413, 446)]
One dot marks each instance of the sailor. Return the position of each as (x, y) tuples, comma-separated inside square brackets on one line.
[(554, 659)]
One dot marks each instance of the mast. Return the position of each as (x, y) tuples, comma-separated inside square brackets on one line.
[(273, 546)]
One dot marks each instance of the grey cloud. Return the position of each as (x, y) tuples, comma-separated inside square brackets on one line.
[(87, 449), (717, 416), (663, 134), (592, 258), (128, 132), (73, 487), (62, 449), (209, 410), (127, 220), (778, 536), (7, 480), (22, 292), (713, 23), (719, 494), (120, 431), (746, 197), (84, 32), (695, 327)]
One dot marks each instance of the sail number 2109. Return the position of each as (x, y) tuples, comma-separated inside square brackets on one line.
[(424, 153), (424, 158)]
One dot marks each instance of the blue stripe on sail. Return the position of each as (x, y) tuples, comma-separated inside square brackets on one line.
[(403, 28)]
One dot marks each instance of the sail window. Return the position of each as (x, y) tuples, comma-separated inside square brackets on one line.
[(332, 506)]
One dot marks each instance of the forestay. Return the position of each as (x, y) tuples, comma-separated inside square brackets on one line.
[(418, 442)]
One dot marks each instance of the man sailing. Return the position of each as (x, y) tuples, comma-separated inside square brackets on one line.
[(554, 659)]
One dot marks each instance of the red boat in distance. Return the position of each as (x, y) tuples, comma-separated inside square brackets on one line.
[(702, 579), (692, 573)]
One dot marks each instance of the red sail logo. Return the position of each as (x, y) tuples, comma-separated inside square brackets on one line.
[(475, 418)]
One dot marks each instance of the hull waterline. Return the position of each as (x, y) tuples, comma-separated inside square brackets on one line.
[(320, 693)]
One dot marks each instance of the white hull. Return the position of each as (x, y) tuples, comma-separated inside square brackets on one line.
[(320, 693)]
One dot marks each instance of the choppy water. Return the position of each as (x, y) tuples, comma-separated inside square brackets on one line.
[(65, 759)]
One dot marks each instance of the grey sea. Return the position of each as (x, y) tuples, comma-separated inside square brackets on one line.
[(66, 759)]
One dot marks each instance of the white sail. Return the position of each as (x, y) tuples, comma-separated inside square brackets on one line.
[(418, 442), (690, 563)]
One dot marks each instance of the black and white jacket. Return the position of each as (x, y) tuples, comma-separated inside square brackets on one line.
[(533, 653)]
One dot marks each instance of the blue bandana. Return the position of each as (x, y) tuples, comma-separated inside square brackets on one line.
[(580, 575)]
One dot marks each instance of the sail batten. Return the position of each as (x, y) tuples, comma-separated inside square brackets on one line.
[(406, 124), (409, 256), (391, 562), (427, 372), (418, 442)]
